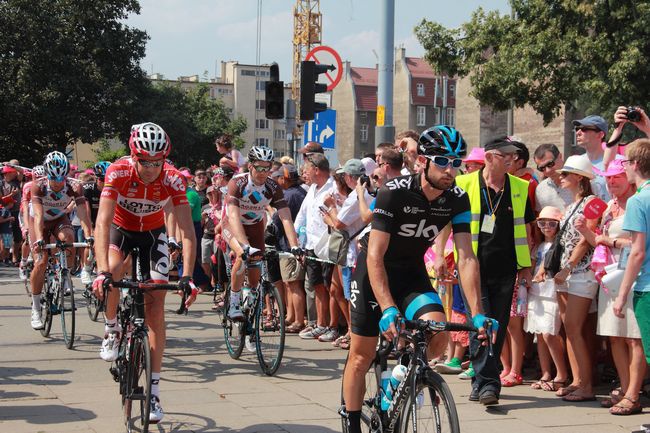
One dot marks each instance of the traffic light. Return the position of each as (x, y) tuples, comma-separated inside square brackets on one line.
[(309, 87), (274, 95)]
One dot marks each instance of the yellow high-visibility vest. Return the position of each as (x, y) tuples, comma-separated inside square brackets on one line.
[(518, 195)]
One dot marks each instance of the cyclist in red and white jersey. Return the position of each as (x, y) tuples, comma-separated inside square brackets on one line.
[(243, 229), (137, 190), (51, 195), (25, 218)]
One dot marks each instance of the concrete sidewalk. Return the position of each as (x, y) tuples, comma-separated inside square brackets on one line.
[(46, 388)]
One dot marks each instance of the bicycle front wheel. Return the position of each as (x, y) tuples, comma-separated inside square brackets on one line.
[(433, 410), (233, 332), (269, 329), (47, 307), (137, 396), (67, 311)]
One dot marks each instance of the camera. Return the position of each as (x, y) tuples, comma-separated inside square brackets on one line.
[(633, 114), (365, 179)]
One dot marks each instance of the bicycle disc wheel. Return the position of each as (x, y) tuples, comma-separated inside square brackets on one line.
[(434, 408), (269, 329), (47, 306), (233, 332), (67, 312), (370, 421), (137, 394)]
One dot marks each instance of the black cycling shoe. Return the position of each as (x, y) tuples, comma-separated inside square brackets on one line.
[(488, 398), (473, 396)]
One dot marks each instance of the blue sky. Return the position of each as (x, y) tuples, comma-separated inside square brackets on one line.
[(193, 36)]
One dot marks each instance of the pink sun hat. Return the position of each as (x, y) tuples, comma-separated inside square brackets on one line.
[(613, 169), (477, 154)]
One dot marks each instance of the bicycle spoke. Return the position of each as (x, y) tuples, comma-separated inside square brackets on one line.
[(269, 330)]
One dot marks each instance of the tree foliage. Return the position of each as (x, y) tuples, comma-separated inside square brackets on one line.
[(68, 70), (588, 55)]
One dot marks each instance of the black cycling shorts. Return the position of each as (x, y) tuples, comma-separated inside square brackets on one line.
[(153, 252), (410, 288)]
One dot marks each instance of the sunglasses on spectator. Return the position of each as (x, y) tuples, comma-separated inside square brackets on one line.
[(443, 161), (585, 128), (551, 224), (550, 164), (145, 163), (262, 168)]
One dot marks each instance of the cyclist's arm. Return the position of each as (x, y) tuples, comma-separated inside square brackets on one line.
[(84, 217), (170, 221), (188, 237), (237, 228), (468, 271), (287, 223), (377, 247), (37, 207), (102, 231)]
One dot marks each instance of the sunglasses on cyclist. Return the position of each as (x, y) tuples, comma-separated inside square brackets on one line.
[(443, 161), (145, 163), (549, 164), (262, 168), (551, 224)]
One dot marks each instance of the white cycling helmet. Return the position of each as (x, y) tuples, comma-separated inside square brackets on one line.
[(38, 171), (56, 166), (149, 139), (260, 153)]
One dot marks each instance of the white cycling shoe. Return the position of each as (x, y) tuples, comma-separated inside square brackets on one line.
[(235, 313), (156, 413), (110, 346), (37, 320)]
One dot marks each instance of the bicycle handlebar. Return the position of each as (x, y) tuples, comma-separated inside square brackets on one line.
[(62, 245), (126, 284)]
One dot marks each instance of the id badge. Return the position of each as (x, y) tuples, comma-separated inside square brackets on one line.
[(488, 224), (622, 259)]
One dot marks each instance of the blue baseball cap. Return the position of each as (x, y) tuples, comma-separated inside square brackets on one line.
[(592, 120)]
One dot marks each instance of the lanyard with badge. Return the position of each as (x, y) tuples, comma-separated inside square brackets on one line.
[(490, 218)]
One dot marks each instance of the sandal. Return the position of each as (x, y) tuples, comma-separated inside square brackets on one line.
[(345, 344), (577, 398), (294, 328), (338, 341), (565, 390), (553, 385), (540, 383), (620, 409), (512, 380)]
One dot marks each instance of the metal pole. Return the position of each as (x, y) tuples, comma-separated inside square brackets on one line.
[(386, 133)]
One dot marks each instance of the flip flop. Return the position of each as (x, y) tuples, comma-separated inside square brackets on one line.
[(553, 385), (577, 398)]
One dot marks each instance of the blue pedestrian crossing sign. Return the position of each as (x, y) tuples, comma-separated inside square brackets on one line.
[(322, 129)]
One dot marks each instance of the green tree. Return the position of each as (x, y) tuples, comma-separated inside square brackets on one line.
[(587, 55), (68, 70), (105, 153)]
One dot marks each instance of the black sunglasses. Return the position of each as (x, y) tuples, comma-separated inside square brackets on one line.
[(549, 164), (584, 128)]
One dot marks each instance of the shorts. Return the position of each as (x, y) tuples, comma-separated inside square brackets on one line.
[(461, 337), (254, 234), (410, 288), (583, 284), (207, 249), (641, 302), (291, 269), (273, 269), (15, 228), (54, 227), (153, 252), (318, 273), (346, 279), (7, 240)]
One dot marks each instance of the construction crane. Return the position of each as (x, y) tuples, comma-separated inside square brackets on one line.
[(307, 32)]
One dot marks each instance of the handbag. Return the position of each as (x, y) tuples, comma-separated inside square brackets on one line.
[(553, 256), (333, 246)]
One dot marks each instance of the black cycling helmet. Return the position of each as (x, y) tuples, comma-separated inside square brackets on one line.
[(442, 140)]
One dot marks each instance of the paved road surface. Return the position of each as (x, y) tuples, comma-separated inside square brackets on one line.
[(46, 388)]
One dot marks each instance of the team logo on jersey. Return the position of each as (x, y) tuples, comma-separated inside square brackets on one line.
[(139, 206), (413, 209), (174, 181), (255, 197), (383, 212), (115, 174), (419, 230), (400, 182)]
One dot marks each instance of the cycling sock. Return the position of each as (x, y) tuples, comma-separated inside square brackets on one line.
[(155, 380), (110, 325), (354, 421), (36, 302)]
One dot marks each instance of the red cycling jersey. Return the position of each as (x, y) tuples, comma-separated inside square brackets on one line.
[(139, 206)]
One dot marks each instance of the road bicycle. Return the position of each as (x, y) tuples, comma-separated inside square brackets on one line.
[(28, 267), (132, 368), (263, 321), (423, 400), (58, 292), (94, 306)]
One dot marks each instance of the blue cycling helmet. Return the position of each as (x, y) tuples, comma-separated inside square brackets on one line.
[(100, 169), (56, 166), (442, 140)]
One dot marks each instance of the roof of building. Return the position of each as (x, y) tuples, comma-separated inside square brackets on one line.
[(365, 88), (419, 68), (364, 76)]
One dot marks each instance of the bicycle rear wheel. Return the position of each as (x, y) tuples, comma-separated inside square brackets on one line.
[(233, 332), (370, 418), (47, 305), (137, 395), (269, 329), (433, 410), (67, 312)]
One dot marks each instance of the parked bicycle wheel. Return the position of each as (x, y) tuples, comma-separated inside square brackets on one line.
[(135, 400), (233, 332), (370, 421), (434, 408), (269, 329), (48, 305), (67, 311)]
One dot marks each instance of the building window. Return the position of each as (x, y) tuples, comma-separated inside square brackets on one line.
[(364, 133), (260, 104), (279, 134), (452, 91), (363, 115), (420, 89), (248, 72), (262, 142), (421, 119), (451, 116), (260, 85), (436, 115), (262, 123)]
